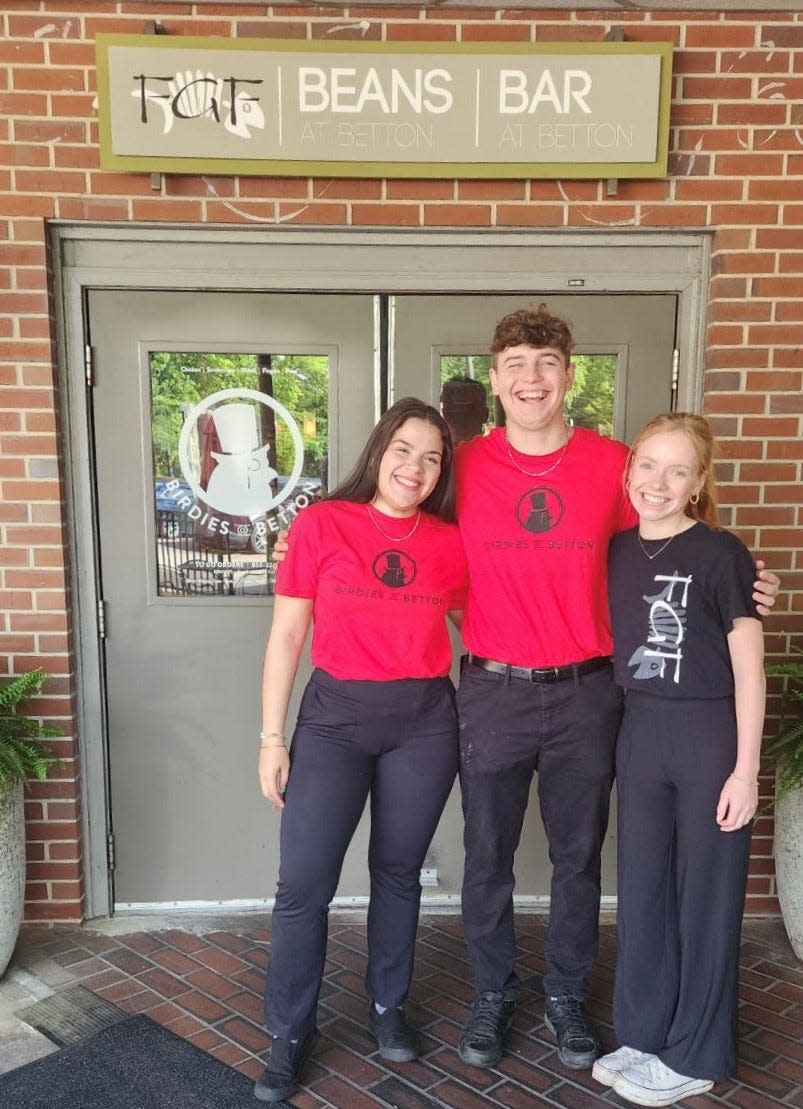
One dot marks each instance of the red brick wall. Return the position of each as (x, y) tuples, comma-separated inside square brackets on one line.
[(736, 165)]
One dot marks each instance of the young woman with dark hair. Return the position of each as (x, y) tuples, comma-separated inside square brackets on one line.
[(376, 568)]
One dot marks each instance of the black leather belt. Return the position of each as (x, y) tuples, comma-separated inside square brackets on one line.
[(549, 674)]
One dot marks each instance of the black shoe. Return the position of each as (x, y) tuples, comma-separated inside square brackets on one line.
[(481, 1042), (397, 1041), (578, 1046), (281, 1076)]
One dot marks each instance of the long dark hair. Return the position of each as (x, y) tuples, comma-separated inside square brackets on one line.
[(361, 483)]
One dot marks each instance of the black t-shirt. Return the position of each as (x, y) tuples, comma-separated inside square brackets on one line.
[(671, 614)]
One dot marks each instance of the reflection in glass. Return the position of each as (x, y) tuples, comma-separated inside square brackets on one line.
[(467, 402), (240, 446)]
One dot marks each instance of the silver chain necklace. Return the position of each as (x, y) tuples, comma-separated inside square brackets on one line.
[(537, 473), (661, 548), (393, 538)]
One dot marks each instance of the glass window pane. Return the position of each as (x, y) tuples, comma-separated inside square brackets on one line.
[(240, 446), (590, 403)]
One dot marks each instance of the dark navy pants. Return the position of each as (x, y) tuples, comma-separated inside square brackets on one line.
[(681, 885), (397, 743), (566, 731)]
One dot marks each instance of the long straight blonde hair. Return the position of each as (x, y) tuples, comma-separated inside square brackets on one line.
[(698, 431)]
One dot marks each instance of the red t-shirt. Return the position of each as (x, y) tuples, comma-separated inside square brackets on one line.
[(379, 606), (537, 548)]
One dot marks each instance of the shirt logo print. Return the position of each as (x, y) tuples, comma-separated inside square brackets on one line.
[(394, 569), (667, 629), (539, 510)]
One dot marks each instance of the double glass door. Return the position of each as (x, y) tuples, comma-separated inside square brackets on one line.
[(217, 418)]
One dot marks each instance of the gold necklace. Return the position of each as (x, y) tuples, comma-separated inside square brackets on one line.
[(661, 548), (393, 538), (537, 473)]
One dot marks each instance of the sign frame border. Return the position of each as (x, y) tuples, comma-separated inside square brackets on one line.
[(259, 167)]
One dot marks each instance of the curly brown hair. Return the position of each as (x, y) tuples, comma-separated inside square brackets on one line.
[(532, 327)]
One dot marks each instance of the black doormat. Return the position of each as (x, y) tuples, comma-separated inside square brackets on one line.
[(135, 1064)]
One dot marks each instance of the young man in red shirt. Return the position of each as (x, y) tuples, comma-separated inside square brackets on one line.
[(538, 502)]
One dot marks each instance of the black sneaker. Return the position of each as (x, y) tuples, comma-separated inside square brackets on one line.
[(565, 1017), (481, 1042), (397, 1040), (281, 1076)]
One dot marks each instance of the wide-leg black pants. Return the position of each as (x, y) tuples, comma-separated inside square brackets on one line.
[(681, 885), (397, 743)]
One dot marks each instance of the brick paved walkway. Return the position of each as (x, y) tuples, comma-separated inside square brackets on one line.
[(205, 984)]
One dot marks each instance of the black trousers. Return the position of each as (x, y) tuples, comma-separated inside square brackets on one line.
[(397, 742), (681, 885), (566, 731)]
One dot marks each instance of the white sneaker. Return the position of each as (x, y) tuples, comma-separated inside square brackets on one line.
[(654, 1083), (607, 1067)]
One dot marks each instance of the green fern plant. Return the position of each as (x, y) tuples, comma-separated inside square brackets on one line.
[(22, 753), (787, 746)]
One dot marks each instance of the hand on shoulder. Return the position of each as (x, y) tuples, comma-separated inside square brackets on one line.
[(765, 588), (281, 547)]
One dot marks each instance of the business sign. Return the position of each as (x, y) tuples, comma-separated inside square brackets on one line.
[(245, 106)]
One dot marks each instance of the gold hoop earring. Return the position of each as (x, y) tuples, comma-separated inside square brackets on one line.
[(694, 498)]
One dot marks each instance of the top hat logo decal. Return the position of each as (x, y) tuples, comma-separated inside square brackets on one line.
[(394, 569), (235, 473), (539, 510)]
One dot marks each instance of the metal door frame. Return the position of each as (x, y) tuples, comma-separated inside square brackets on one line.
[(278, 259)]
